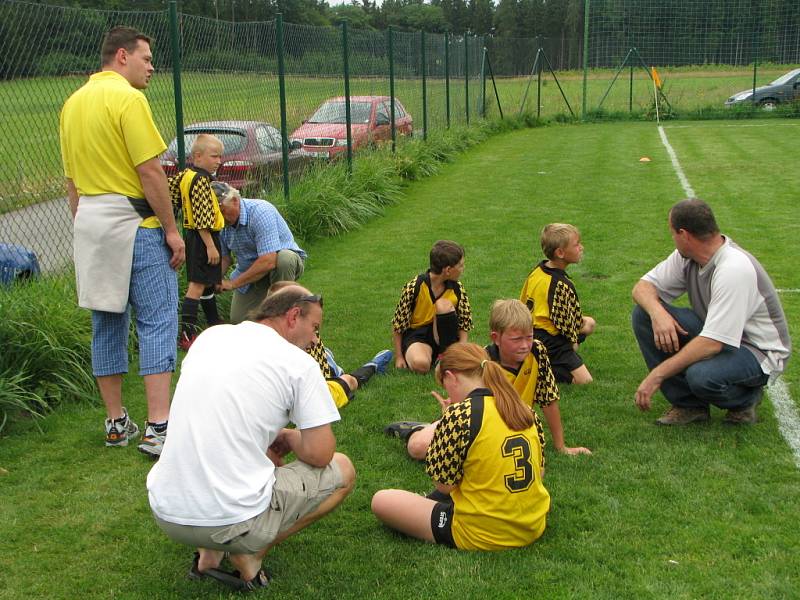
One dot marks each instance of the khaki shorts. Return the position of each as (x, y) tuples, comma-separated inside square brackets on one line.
[(299, 490)]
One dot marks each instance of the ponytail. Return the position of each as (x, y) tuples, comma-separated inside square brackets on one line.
[(472, 360)]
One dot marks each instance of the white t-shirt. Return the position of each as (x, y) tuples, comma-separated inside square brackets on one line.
[(239, 386), (734, 297)]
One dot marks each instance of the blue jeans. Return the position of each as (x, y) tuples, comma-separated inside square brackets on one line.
[(731, 379)]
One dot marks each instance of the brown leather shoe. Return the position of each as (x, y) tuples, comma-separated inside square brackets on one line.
[(744, 416), (683, 416)]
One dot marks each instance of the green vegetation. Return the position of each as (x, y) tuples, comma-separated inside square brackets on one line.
[(32, 158), (706, 511)]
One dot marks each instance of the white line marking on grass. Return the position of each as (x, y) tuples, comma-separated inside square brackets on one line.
[(675, 164), (778, 391), (788, 290), (788, 417), (719, 125)]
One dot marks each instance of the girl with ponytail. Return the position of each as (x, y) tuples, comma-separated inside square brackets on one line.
[(486, 456)]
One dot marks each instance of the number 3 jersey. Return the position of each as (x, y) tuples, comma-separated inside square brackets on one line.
[(500, 500)]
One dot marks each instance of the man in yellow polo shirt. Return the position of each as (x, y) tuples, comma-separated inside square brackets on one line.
[(126, 244)]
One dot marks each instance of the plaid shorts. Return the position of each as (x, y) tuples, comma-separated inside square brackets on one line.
[(154, 297)]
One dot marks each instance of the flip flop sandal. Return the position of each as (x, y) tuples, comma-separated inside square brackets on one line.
[(232, 579)]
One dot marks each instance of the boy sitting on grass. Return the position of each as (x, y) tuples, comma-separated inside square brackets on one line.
[(341, 385), (433, 311), (202, 222), (525, 365), (550, 296)]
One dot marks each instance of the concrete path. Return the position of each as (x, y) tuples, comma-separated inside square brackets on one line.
[(45, 228)]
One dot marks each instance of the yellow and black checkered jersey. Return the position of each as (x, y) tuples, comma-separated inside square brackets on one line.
[(551, 297), (534, 379), (416, 306), (317, 352), (191, 191), (499, 500)]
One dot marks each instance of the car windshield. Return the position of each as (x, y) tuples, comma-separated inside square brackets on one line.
[(784, 79), (233, 140), (334, 112)]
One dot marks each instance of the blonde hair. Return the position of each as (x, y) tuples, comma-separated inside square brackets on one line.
[(509, 314), (555, 236), (472, 360), (204, 141)]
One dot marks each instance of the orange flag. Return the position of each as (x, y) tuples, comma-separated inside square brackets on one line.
[(656, 78)]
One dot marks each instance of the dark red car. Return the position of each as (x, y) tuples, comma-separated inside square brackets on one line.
[(252, 159), (324, 134)]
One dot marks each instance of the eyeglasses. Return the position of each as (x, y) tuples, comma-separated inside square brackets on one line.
[(313, 299)]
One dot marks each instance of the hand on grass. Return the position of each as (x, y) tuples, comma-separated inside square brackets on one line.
[(645, 391), (574, 451), (400, 362)]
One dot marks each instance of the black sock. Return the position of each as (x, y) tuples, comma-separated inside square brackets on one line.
[(209, 303), (363, 374), (160, 427), (189, 316)]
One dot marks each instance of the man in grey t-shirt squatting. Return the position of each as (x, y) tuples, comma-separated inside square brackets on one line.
[(733, 339)]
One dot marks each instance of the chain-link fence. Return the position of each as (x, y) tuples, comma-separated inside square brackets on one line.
[(275, 93)]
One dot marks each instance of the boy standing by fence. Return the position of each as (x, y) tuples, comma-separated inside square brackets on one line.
[(550, 295), (202, 221)]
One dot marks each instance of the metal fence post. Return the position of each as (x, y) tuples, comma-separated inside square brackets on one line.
[(585, 53), (176, 82), (348, 118), (282, 92), (424, 87), (447, 77), (630, 92), (483, 83), (390, 39), (466, 76)]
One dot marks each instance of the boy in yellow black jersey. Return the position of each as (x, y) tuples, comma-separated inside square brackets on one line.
[(342, 386), (202, 221), (526, 367), (550, 295), (433, 311)]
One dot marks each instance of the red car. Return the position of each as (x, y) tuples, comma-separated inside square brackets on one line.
[(324, 135), (252, 158)]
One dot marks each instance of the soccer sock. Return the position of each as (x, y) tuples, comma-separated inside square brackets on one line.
[(363, 373), (189, 316), (209, 303)]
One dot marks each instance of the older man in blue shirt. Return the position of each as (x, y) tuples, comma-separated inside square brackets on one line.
[(265, 250)]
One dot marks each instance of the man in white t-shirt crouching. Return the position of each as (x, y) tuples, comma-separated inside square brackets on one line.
[(220, 484), (733, 339)]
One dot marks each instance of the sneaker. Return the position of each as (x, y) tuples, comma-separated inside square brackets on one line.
[(683, 416), (185, 342), (152, 442), (403, 429), (380, 361), (119, 431)]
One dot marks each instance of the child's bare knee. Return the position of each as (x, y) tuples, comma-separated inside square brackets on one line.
[(581, 376), (443, 306)]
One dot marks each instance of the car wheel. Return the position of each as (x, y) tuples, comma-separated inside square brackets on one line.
[(768, 104)]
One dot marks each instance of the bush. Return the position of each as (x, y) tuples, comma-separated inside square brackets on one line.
[(46, 341), (66, 63)]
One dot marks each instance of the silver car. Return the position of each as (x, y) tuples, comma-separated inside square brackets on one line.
[(785, 88)]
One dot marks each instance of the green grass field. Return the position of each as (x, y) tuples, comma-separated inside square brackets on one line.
[(704, 511), (32, 162)]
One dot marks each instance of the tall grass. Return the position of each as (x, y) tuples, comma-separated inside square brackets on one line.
[(46, 357)]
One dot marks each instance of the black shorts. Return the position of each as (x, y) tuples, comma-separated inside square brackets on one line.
[(563, 359), (442, 524), (447, 325), (197, 268)]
